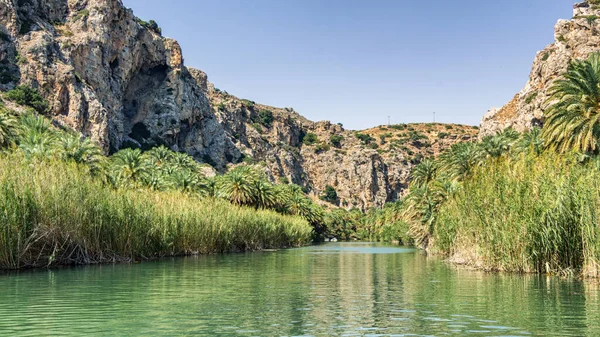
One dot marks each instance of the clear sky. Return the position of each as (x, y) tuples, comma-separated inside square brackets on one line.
[(360, 61)]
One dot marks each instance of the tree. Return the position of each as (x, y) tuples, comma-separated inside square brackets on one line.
[(9, 128), (531, 142), (80, 150), (37, 139), (310, 139), (573, 118), (336, 140), (156, 180), (183, 161), (39, 145), (495, 146), (239, 186), (460, 160), (160, 156), (265, 195), (424, 173), (32, 122), (130, 164), (25, 95), (186, 181)]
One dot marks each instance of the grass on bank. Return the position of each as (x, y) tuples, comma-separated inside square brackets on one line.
[(63, 202), (526, 214), (55, 213)]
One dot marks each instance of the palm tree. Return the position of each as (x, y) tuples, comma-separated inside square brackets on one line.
[(424, 173), (156, 180), (209, 188), (184, 161), (446, 188), (187, 181), (38, 145), (422, 204), (239, 186), (81, 150), (265, 194), (32, 122), (495, 146), (573, 118), (160, 156), (130, 164), (461, 160), (531, 142), (9, 128)]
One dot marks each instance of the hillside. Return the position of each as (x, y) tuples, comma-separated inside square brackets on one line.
[(574, 39), (367, 168), (114, 78)]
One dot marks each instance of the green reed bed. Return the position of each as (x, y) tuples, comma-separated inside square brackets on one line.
[(526, 214), (52, 212)]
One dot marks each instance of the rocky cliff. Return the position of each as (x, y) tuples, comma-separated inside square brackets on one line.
[(116, 79), (574, 39)]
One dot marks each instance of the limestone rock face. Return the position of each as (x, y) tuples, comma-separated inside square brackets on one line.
[(114, 78), (109, 77), (574, 39)]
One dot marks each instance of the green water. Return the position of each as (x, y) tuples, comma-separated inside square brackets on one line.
[(345, 289)]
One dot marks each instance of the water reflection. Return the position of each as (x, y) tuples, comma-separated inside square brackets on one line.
[(337, 289)]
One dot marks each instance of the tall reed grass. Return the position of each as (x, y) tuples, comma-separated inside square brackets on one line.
[(525, 214), (52, 212)]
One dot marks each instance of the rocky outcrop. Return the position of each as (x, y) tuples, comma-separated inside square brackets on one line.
[(116, 79), (574, 39)]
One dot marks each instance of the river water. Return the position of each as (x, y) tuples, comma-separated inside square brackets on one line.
[(335, 289)]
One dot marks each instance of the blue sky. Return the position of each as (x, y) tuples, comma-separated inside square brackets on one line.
[(358, 62)]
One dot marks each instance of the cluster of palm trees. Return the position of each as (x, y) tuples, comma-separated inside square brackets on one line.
[(572, 125), (436, 180), (36, 137), (158, 169)]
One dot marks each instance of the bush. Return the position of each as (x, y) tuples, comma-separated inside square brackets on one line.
[(257, 127), (151, 25), (364, 138), (248, 104), (310, 139), (416, 136), (266, 118), (336, 140), (321, 147), (82, 14), (25, 95)]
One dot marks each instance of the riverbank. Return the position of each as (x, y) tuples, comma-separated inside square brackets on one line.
[(526, 215), (505, 204), (55, 213)]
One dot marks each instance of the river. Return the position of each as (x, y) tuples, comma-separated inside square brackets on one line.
[(334, 289)]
